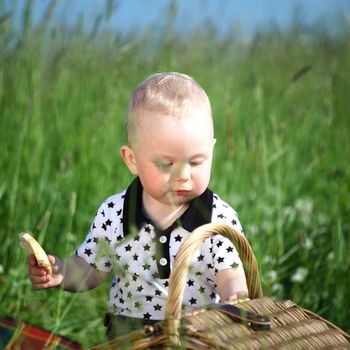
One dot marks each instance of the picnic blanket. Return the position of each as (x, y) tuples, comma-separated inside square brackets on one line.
[(15, 335)]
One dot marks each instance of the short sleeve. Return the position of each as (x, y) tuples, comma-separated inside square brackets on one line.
[(98, 248), (225, 255)]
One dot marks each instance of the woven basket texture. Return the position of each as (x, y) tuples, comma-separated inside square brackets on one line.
[(292, 327)]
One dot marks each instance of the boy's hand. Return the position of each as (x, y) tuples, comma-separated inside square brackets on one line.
[(40, 278)]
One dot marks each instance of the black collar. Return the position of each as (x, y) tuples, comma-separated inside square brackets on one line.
[(198, 213)]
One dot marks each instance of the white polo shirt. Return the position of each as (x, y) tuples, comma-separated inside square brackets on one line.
[(122, 239)]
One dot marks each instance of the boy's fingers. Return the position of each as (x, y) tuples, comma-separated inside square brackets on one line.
[(40, 286), (32, 260), (39, 279)]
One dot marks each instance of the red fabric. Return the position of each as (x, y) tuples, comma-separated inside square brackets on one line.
[(21, 336)]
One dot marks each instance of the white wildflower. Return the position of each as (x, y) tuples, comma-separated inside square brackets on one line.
[(268, 259), (305, 207), (272, 275), (299, 275), (308, 244), (330, 256), (289, 213), (276, 288), (1, 269)]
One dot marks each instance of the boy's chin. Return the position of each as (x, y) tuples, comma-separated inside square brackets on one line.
[(181, 200)]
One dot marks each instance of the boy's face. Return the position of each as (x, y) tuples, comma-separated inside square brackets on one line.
[(172, 156)]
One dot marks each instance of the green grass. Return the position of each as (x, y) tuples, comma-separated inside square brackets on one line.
[(281, 112)]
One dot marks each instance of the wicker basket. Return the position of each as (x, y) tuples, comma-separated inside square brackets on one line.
[(260, 323)]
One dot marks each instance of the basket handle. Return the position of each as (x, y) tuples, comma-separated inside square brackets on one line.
[(183, 260)]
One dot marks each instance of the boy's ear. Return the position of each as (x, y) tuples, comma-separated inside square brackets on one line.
[(129, 158)]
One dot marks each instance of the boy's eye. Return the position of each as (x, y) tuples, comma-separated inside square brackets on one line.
[(164, 165), (196, 162)]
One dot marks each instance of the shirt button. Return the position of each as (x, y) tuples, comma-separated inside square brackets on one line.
[(163, 261), (162, 239)]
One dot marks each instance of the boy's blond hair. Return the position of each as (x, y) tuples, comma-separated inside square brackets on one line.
[(170, 93)]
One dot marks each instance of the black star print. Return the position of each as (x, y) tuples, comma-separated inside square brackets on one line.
[(126, 267), (139, 288), (121, 300), (119, 238), (88, 241), (135, 257), (219, 244), (178, 238), (234, 222), (221, 216), (137, 305), (108, 222), (147, 247), (104, 226), (201, 290), (108, 264), (94, 265), (158, 292), (157, 307), (209, 266), (103, 213), (229, 249), (88, 252), (149, 298), (193, 301), (128, 248), (148, 229), (214, 205), (200, 257), (93, 226), (119, 212), (234, 265), (117, 257), (110, 205), (108, 240), (190, 283), (135, 276), (220, 259), (129, 295), (147, 316), (127, 284), (146, 266), (155, 275), (166, 284), (212, 296)]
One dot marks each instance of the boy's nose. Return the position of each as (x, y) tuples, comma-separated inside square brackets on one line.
[(182, 173)]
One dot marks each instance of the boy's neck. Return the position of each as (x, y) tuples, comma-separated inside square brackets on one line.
[(162, 215)]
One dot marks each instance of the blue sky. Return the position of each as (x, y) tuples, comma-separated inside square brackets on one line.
[(246, 15)]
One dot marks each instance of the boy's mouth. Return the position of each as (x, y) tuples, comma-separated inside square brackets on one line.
[(181, 193)]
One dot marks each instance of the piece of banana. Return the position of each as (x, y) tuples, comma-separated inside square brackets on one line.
[(31, 246)]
